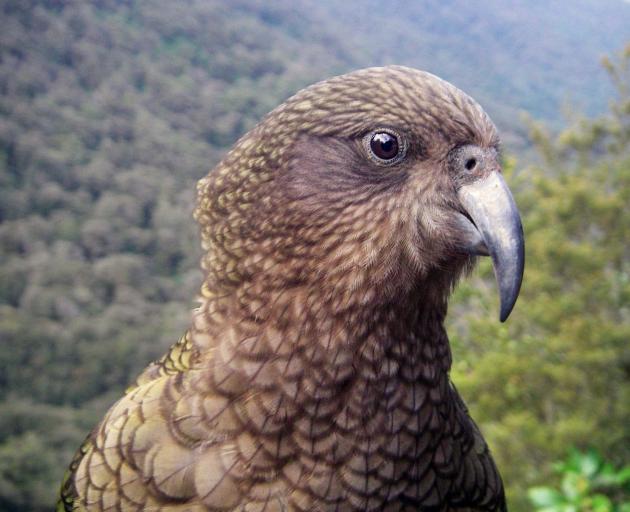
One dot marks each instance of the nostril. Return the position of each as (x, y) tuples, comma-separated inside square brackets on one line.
[(470, 164)]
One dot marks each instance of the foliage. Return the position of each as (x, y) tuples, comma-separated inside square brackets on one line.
[(556, 374), (530, 55), (109, 113), (588, 485)]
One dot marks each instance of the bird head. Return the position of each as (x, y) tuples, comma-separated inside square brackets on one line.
[(370, 184)]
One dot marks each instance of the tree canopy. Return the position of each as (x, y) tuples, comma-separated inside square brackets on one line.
[(556, 375)]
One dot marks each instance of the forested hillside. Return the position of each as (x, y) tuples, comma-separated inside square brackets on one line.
[(557, 374), (111, 110), (109, 116), (533, 55)]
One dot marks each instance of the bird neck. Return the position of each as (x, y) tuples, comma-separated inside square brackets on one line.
[(294, 340)]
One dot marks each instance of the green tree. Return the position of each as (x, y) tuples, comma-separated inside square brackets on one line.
[(589, 484), (556, 374)]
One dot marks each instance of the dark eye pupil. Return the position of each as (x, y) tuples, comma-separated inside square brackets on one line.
[(384, 145)]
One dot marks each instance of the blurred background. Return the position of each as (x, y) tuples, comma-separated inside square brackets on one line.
[(111, 110)]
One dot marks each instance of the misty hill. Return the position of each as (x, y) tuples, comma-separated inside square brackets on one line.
[(532, 55)]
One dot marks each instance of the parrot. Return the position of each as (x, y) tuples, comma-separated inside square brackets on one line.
[(314, 374)]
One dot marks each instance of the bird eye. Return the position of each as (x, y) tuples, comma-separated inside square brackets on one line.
[(384, 147)]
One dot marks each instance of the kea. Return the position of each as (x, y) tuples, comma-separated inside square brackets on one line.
[(314, 375)]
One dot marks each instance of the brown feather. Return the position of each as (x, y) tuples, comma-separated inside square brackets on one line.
[(315, 374)]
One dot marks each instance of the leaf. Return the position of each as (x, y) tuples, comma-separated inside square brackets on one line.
[(623, 476), (545, 497), (574, 486), (589, 463), (601, 503)]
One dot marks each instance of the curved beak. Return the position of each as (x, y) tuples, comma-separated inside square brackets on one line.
[(489, 203)]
